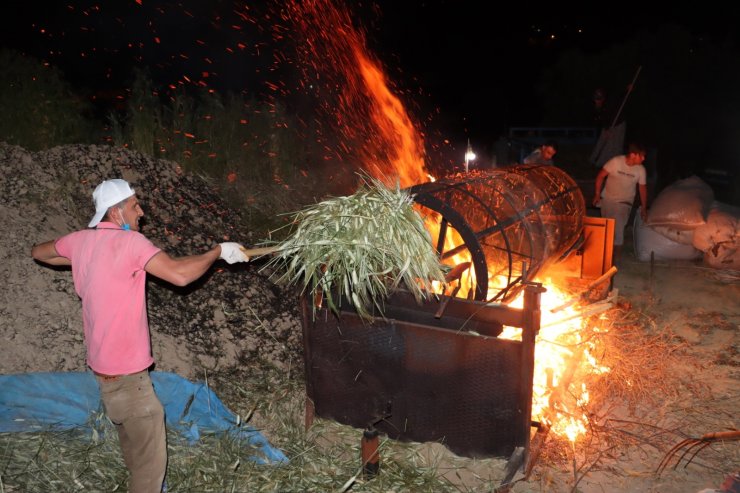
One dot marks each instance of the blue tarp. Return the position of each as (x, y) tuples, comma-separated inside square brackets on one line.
[(42, 401)]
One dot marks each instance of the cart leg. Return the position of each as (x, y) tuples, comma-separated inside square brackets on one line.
[(310, 412)]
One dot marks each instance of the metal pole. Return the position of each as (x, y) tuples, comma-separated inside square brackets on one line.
[(624, 100)]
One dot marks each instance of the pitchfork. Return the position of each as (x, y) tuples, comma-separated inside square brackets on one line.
[(698, 443)]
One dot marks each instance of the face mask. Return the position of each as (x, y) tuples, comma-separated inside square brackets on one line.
[(124, 226)]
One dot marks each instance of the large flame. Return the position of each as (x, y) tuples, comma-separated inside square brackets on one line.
[(560, 352), (406, 158), (371, 117)]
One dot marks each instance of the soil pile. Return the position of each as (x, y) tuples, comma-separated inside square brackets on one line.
[(231, 320)]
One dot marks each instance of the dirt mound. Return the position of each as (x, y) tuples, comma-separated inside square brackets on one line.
[(232, 318)]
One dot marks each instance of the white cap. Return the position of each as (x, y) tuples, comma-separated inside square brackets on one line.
[(108, 194)]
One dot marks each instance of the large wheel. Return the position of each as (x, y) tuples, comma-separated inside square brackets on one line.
[(508, 222)]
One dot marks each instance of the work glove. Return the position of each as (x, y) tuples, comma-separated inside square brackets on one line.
[(233, 252)]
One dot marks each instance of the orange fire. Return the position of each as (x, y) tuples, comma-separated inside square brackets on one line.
[(392, 148), (560, 351), (370, 119), (392, 121)]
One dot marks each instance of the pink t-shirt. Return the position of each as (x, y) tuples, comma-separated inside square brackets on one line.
[(108, 272)]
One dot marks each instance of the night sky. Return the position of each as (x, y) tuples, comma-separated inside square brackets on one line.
[(470, 69), (453, 46)]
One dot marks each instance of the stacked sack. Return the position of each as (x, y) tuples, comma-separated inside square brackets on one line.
[(685, 222), (719, 238)]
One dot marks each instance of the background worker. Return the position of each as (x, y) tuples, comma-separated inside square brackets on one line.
[(109, 266), (543, 154), (609, 120), (620, 177), (611, 126)]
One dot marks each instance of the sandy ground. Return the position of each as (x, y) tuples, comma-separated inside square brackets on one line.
[(702, 314)]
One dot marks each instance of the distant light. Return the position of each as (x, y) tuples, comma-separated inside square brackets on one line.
[(469, 156)]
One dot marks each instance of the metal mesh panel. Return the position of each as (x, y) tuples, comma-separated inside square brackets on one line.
[(509, 222)]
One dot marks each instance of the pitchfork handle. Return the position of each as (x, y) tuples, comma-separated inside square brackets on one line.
[(258, 252), (722, 435)]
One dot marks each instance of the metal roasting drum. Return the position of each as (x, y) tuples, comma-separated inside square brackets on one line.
[(511, 222), (437, 370)]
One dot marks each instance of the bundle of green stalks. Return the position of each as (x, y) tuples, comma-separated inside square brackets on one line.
[(359, 248)]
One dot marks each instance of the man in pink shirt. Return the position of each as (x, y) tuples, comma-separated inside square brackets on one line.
[(623, 175), (109, 266)]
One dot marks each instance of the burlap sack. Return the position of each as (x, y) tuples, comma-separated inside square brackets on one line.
[(682, 205), (682, 236), (720, 228), (724, 256), (648, 241)]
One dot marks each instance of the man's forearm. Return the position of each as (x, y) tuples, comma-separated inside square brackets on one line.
[(183, 270), (643, 201), (597, 191), (194, 266), (643, 196)]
